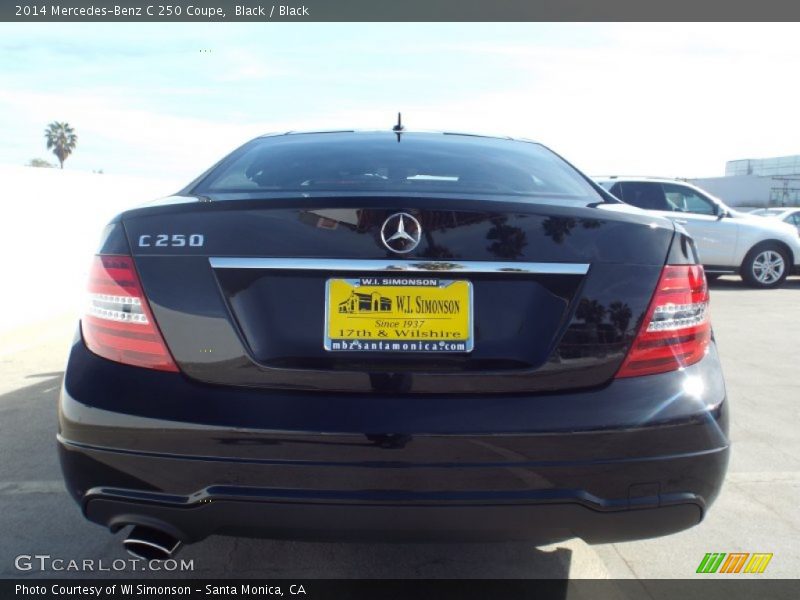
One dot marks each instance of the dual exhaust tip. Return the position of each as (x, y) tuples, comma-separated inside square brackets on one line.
[(149, 544)]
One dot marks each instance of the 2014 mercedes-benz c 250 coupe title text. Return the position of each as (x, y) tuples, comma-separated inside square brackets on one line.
[(393, 335)]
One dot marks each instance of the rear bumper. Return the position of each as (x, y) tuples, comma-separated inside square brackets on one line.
[(260, 514), (638, 458)]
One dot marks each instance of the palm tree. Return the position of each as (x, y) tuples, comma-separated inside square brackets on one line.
[(61, 139)]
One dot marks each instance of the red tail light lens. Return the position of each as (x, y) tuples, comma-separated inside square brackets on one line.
[(676, 329), (118, 324)]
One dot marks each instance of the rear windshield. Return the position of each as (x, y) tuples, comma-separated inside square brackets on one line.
[(381, 163)]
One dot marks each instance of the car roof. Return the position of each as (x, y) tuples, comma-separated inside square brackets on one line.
[(634, 179), (404, 131), (624, 178), (780, 210)]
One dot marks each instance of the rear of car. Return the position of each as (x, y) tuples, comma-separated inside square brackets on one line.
[(393, 336)]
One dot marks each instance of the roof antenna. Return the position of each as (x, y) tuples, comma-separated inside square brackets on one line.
[(398, 129)]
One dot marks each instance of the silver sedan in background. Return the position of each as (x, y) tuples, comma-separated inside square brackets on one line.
[(787, 215)]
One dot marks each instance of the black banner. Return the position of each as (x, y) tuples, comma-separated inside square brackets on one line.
[(732, 588), (396, 10)]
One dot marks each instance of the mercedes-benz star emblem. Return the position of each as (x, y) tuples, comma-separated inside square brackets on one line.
[(401, 233)]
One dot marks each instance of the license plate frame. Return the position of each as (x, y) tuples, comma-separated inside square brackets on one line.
[(456, 327)]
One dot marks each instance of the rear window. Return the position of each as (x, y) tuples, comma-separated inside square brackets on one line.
[(381, 163), (646, 195)]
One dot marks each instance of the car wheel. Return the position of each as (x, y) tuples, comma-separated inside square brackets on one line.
[(765, 266)]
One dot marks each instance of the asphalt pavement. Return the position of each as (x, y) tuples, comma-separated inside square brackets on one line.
[(758, 334)]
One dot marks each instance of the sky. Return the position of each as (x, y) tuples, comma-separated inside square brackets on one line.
[(168, 100)]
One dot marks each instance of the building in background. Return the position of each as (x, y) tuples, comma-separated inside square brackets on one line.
[(764, 167), (757, 182)]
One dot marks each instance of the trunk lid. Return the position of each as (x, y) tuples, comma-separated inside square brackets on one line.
[(238, 287)]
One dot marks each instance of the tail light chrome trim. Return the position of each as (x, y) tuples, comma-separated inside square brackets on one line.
[(426, 266)]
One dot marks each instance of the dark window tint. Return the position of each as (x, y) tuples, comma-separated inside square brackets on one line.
[(378, 162), (647, 195), (684, 199)]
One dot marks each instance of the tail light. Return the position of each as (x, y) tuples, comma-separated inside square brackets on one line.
[(676, 329), (118, 324)]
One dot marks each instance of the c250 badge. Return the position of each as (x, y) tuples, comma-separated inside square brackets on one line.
[(175, 240)]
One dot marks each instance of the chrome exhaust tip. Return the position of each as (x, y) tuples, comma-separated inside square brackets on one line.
[(148, 544)]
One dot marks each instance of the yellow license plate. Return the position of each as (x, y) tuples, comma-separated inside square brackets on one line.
[(398, 314)]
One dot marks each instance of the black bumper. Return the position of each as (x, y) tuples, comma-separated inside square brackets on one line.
[(638, 458)]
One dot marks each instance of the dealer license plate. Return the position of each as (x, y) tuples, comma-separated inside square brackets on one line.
[(398, 314)]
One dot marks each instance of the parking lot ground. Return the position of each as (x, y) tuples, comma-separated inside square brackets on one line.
[(758, 333)]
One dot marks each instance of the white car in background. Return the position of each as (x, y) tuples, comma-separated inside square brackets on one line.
[(763, 251), (787, 215)]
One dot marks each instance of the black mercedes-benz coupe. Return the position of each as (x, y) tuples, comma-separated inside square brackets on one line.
[(398, 336)]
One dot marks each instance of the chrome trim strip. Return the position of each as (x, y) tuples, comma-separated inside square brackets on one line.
[(425, 266)]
